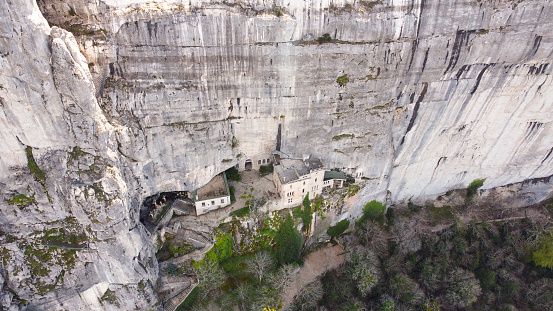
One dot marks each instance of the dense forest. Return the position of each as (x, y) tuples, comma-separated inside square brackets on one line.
[(400, 264), (399, 258)]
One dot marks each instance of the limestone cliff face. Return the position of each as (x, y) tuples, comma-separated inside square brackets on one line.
[(62, 180), (418, 97), (436, 94)]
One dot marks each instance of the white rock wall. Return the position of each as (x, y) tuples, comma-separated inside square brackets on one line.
[(428, 81), (438, 94), (48, 105)]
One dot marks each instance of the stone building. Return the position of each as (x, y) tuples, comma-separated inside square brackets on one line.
[(294, 178), (214, 195), (334, 179), (253, 162)]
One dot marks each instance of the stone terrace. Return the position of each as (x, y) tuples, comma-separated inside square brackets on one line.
[(215, 188)]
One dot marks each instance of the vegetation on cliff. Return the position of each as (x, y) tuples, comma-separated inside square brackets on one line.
[(399, 264)]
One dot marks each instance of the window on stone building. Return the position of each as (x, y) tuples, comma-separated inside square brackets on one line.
[(222, 200), (203, 204), (258, 161), (263, 161), (212, 202)]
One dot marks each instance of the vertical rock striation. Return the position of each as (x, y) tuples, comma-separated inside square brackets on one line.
[(69, 227), (418, 97)]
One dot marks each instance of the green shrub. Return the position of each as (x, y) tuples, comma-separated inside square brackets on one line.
[(180, 249), (244, 211), (223, 246), (373, 210), (474, 186), (387, 305), (342, 80), (279, 12), (172, 269), (233, 174), (352, 190), (486, 278), (325, 38), (39, 174), (21, 200), (543, 256), (338, 229), (342, 136), (266, 169)]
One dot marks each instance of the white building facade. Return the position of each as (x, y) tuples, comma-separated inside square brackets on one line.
[(214, 195), (295, 178)]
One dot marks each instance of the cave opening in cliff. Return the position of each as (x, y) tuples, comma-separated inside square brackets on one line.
[(249, 165), (160, 207)]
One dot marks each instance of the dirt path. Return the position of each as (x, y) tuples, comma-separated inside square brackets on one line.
[(315, 264)]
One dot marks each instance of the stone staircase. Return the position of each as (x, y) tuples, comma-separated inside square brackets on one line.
[(173, 303)]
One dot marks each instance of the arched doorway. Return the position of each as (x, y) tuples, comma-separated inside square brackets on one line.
[(248, 166)]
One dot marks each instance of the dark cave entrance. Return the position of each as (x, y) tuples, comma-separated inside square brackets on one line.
[(154, 207), (249, 165)]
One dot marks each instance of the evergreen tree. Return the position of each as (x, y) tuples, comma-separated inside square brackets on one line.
[(288, 242), (307, 214)]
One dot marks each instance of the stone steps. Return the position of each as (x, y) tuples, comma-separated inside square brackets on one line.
[(173, 303)]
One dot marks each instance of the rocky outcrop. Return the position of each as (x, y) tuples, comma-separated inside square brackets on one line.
[(69, 228), (417, 97)]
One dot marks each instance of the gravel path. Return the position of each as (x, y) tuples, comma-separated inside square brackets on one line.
[(315, 264)]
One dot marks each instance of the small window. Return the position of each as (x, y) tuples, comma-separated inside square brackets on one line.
[(258, 161), (268, 160), (303, 191), (304, 183), (212, 202), (222, 200), (203, 204), (315, 179), (263, 161)]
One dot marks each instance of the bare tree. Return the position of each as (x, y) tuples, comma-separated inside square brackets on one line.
[(282, 278), (407, 237), (309, 296), (540, 293), (463, 288), (371, 235), (210, 276), (243, 296), (259, 265), (364, 270)]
